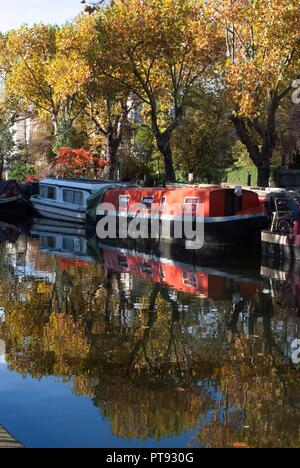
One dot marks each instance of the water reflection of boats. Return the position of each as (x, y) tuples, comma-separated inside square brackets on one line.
[(61, 239), (165, 267), (283, 275), (201, 280), (151, 373), (9, 232)]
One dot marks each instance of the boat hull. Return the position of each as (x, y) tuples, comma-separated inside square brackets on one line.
[(56, 212), (220, 234), (280, 246), (238, 231)]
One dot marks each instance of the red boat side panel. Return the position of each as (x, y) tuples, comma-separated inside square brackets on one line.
[(171, 201), (250, 200), (217, 203)]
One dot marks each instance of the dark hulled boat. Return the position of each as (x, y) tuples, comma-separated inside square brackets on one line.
[(14, 207)]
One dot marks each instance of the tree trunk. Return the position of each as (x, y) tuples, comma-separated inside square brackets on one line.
[(261, 157), (1, 167), (113, 144), (248, 130), (263, 178), (55, 124), (164, 146)]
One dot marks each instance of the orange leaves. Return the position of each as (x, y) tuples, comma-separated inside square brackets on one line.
[(158, 49), (77, 163), (28, 54), (262, 48), (68, 75)]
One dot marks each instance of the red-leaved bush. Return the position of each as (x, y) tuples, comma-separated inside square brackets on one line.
[(77, 163)]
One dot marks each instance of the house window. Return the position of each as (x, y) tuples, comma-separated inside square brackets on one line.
[(47, 191), (73, 197)]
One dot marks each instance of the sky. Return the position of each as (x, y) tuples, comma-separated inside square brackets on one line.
[(17, 12)]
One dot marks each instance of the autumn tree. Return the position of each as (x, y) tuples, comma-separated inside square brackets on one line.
[(6, 139), (105, 102), (203, 142), (158, 50), (26, 59), (262, 62)]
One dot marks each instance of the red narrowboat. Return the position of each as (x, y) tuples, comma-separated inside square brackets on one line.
[(229, 217)]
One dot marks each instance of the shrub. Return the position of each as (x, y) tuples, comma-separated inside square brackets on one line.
[(21, 172), (77, 163)]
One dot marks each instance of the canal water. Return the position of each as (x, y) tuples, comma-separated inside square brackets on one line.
[(107, 346)]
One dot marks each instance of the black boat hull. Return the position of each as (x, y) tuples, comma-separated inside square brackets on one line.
[(16, 211), (240, 234)]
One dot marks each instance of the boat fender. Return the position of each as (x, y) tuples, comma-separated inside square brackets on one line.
[(238, 191)]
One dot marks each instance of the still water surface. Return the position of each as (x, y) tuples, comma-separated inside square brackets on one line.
[(103, 346)]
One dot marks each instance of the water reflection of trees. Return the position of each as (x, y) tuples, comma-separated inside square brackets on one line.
[(154, 361)]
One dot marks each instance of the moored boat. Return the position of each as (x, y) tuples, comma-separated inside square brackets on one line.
[(66, 199), (14, 207), (281, 245), (9, 232), (282, 240), (230, 217)]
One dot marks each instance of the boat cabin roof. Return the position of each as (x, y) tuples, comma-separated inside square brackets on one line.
[(9, 183), (83, 184), (170, 188)]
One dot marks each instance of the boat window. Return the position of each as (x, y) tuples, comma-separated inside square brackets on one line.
[(147, 201), (73, 197), (47, 191), (162, 273), (71, 245), (123, 263), (124, 201), (146, 268), (67, 244), (163, 203), (190, 279), (47, 242), (77, 245), (191, 205), (191, 201), (78, 198)]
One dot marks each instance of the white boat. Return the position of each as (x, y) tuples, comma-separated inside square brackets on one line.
[(66, 199)]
